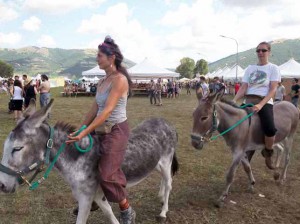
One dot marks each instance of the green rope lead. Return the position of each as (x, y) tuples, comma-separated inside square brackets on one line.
[(236, 124), (90, 138), (35, 184)]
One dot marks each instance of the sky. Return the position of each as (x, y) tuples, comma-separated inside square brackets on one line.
[(164, 31)]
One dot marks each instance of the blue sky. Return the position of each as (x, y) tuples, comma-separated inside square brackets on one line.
[(162, 30)]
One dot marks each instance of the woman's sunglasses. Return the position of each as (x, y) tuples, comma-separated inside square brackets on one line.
[(261, 50)]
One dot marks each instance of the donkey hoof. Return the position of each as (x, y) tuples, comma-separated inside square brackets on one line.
[(160, 219), (251, 190), (219, 204), (276, 176)]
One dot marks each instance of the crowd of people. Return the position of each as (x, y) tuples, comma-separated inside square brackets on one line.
[(71, 88), (22, 90)]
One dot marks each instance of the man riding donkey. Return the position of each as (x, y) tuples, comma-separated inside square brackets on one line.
[(259, 86)]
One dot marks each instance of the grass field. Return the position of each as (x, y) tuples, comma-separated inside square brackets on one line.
[(200, 180)]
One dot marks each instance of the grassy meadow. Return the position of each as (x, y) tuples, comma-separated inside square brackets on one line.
[(200, 180)]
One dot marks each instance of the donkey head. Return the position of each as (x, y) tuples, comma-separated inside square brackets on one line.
[(203, 118), (24, 144)]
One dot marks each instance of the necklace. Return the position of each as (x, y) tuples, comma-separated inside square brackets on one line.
[(106, 77)]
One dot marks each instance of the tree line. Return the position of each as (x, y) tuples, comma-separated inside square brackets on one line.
[(6, 70), (188, 68)]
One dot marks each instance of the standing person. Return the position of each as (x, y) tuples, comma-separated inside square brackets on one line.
[(44, 90), (152, 92), (280, 92), (259, 85), (17, 99), (295, 92), (188, 88), (170, 89), (236, 87), (204, 86), (158, 89), (109, 109), (30, 93), (10, 91)]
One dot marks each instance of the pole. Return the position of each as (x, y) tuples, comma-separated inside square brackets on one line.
[(237, 55)]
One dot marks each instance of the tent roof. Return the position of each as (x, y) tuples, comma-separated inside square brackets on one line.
[(290, 69), (94, 71), (231, 74), (146, 69)]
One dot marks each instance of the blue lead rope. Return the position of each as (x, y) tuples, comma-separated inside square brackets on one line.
[(35, 184), (236, 124)]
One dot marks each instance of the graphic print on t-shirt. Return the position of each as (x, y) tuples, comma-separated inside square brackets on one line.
[(257, 78)]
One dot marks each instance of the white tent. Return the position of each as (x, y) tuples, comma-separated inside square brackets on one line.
[(184, 80), (290, 69), (231, 74), (1, 78), (96, 71), (85, 78), (146, 69)]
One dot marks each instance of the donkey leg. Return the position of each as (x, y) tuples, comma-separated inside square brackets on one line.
[(105, 207), (237, 156), (85, 203), (279, 148), (165, 167), (162, 186), (248, 170), (288, 149)]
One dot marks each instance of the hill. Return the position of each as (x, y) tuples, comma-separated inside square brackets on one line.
[(282, 51), (54, 61)]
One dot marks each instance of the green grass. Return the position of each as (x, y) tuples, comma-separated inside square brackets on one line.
[(199, 182)]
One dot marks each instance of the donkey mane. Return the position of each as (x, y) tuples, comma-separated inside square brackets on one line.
[(65, 126), (230, 102)]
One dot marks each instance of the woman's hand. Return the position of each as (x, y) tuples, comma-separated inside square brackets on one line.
[(256, 108), (73, 138)]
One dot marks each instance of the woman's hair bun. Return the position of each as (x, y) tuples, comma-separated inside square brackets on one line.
[(108, 40)]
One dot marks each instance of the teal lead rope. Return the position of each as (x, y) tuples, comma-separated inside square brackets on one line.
[(35, 184), (236, 124)]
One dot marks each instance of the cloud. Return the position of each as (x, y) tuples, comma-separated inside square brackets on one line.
[(7, 13), (46, 41), (135, 41), (10, 38), (32, 24), (60, 6)]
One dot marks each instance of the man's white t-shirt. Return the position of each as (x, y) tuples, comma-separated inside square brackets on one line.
[(259, 78), (205, 88)]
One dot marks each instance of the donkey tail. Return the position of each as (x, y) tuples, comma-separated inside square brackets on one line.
[(175, 165)]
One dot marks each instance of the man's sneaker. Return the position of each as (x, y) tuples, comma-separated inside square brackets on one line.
[(127, 216)]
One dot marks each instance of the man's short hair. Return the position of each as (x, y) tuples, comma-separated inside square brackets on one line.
[(43, 76), (296, 80)]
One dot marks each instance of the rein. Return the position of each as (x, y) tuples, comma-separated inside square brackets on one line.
[(38, 166)]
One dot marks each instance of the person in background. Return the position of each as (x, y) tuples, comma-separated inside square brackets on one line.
[(236, 87), (17, 99), (259, 86), (280, 92), (30, 93), (158, 89), (188, 88), (110, 107), (44, 90), (152, 92), (204, 86), (295, 92)]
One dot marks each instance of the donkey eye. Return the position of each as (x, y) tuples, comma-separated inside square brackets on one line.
[(203, 118), (16, 149)]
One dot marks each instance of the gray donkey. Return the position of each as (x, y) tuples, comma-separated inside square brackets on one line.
[(216, 114), (151, 146)]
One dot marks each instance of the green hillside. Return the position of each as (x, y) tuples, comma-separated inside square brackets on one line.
[(53, 61), (282, 51)]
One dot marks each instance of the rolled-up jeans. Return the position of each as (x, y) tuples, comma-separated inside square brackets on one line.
[(44, 99)]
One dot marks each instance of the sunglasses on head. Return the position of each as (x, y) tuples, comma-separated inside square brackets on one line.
[(261, 50)]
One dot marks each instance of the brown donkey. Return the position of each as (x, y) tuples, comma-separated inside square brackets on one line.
[(216, 114)]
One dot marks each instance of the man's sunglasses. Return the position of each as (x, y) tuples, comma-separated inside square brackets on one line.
[(261, 50)]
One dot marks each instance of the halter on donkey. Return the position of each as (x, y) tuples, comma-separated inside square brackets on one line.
[(151, 146), (214, 113)]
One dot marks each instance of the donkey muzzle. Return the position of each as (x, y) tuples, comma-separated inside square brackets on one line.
[(197, 141)]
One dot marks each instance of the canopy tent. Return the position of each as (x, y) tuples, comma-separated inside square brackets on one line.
[(290, 69), (146, 69), (1, 78), (184, 80), (96, 71), (231, 74)]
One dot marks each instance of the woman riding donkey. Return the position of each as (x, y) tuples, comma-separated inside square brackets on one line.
[(259, 86), (107, 117)]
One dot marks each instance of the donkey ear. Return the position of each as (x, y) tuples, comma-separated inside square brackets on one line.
[(30, 109), (215, 96), (220, 93), (41, 115)]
